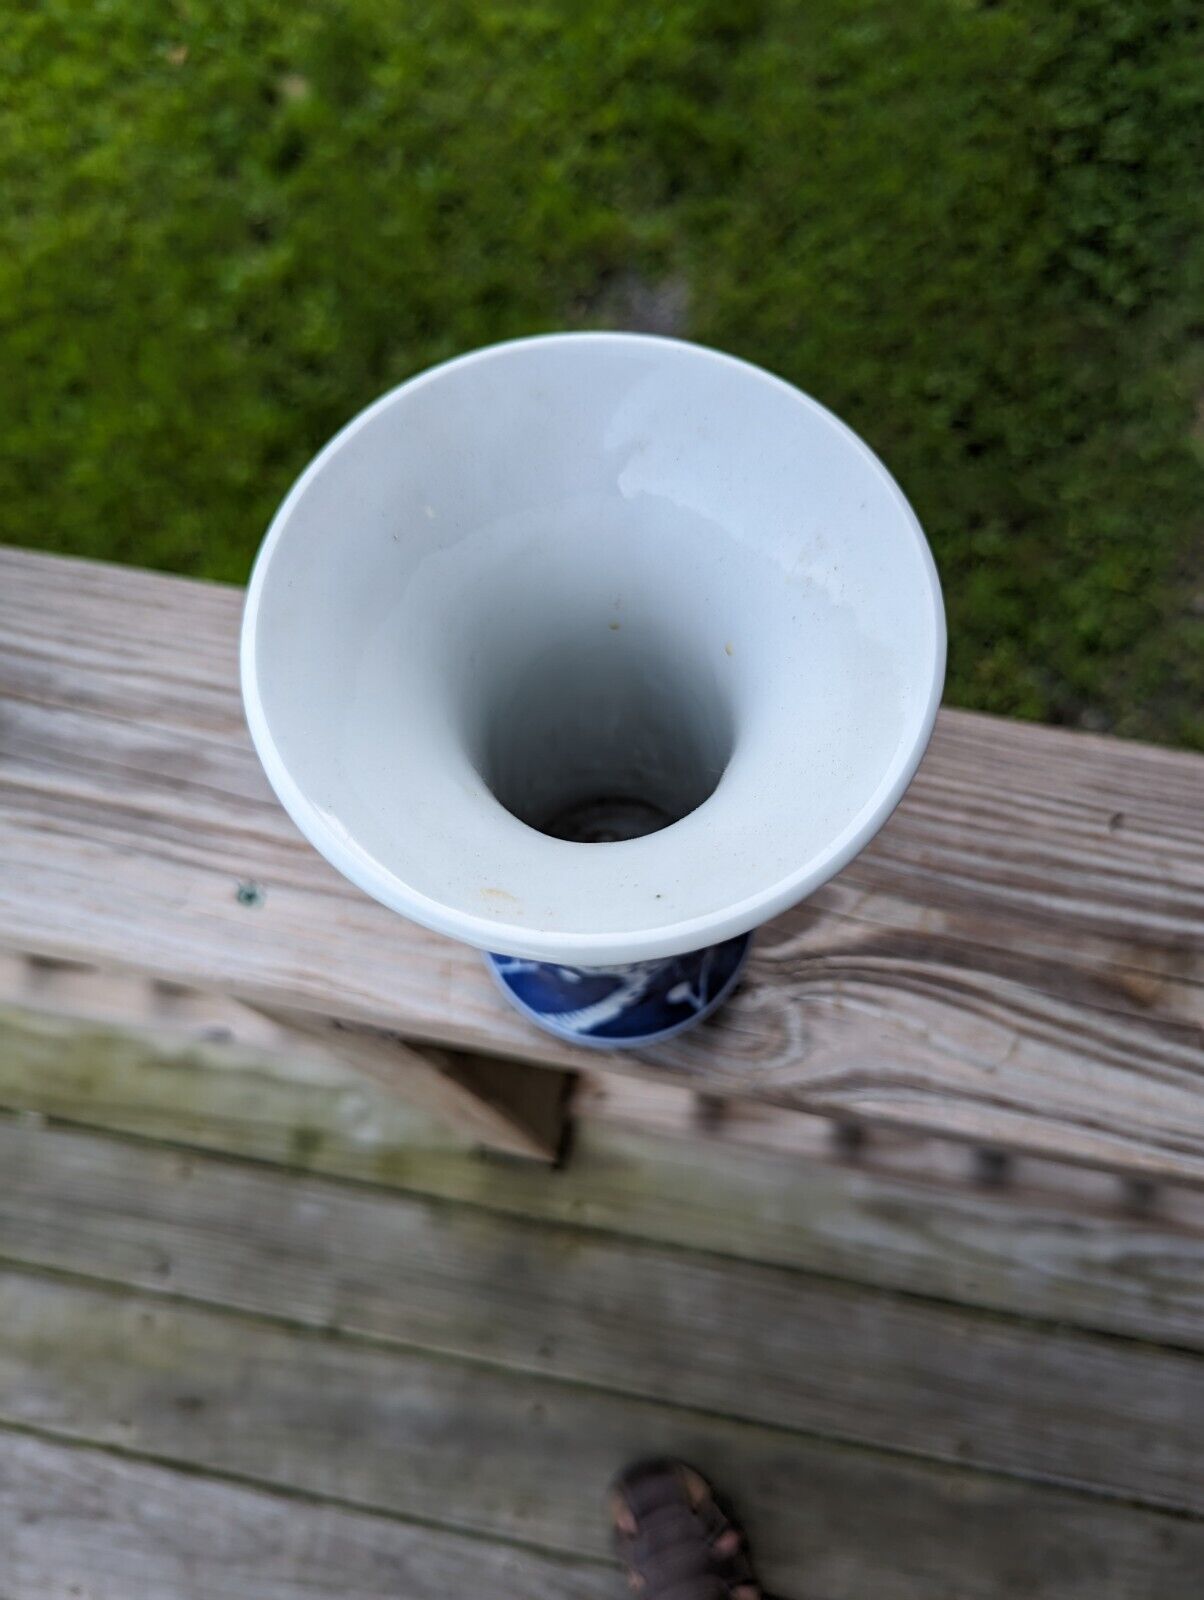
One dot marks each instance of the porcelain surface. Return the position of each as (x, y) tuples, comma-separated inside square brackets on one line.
[(582, 565), (628, 1007)]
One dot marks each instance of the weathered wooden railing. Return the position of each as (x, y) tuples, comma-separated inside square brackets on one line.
[(1016, 963)]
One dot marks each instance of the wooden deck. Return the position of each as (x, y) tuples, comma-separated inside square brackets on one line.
[(906, 1250), (265, 1332)]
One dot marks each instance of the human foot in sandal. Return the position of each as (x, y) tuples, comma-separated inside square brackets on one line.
[(673, 1538)]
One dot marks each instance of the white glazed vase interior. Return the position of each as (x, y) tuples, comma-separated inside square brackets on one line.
[(593, 649)]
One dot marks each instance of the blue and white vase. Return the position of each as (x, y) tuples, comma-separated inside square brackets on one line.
[(616, 1008), (598, 650)]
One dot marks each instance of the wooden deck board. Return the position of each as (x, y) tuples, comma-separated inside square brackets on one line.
[(1018, 960), (83, 1524), (415, 1384), (756, 1343), (511, 1457), (763, 1185)]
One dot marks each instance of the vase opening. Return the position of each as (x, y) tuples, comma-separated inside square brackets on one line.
[(604, 733)]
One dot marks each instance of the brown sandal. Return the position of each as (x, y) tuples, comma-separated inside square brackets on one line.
[(674, 1539)]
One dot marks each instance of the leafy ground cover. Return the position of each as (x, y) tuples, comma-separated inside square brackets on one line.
[(972, 229)]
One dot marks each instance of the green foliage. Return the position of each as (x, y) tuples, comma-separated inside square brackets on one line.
[(974, 230)]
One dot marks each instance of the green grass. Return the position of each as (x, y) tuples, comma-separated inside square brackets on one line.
[(973, 230)]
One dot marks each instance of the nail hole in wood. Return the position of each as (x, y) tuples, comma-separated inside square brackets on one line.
[(849, 1138), (709, 1111), (992, 1168), (42, 972), (1140, 1195)]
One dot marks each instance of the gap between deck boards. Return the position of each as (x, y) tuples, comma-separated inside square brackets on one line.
[(713, 1201), (98, 1516), (910, 1214), (726, 1338), (365, 1429)]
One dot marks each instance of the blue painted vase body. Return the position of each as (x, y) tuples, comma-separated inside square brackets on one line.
[(623, 1007)]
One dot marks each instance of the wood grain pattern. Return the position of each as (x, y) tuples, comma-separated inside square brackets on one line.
[(498, 1105), (761, 1184), (1017, 960), (767, 1346), (439, 1441), (507, 1106), (83, 1524)]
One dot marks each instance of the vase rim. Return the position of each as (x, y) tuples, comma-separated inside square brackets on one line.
[(492, 928)]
